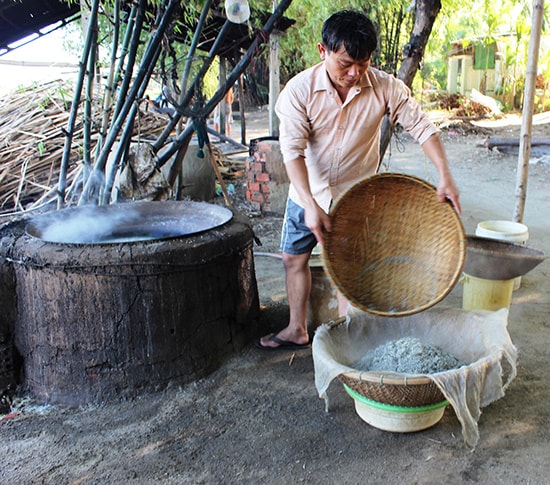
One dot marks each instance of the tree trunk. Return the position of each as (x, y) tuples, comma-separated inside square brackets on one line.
[(425, 13)]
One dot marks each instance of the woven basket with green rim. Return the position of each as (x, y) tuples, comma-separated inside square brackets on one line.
[(396, 390), (394, 248), (391, 388)]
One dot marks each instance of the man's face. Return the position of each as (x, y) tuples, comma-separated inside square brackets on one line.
[(344, 72)]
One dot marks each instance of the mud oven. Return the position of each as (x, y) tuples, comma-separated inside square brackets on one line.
[(113, 301)]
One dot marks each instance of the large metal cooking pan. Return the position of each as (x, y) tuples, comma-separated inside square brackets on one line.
[(127, 222), (499, 260)]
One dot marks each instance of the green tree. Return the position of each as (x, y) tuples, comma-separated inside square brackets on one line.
[(299, 44)]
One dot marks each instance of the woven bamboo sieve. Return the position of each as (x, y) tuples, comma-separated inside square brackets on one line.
[(394, 248), (391, 387)]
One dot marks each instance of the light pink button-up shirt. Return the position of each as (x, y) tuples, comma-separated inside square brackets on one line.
[(341, 141)]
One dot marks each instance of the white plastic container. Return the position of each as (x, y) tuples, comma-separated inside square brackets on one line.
[(397, 419), (507, 231)]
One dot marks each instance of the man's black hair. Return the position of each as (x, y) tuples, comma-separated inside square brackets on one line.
[(353, 31)]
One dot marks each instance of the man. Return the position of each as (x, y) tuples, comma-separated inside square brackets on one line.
[(330, 117)]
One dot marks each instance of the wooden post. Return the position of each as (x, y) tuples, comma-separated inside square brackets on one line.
[(527, 112), (274, 80), (242, 110)]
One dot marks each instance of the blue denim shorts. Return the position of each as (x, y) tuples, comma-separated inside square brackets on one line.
[(296, 238)]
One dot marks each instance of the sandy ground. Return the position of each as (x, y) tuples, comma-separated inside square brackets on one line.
[(258, 418)]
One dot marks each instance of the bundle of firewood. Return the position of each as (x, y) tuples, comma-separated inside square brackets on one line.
[(33, 124), (31, 144)]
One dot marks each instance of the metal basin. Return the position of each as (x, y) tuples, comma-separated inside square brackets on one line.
[(128, 222), (499, 260)]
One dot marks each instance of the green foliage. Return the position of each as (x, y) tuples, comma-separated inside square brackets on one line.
[(482, 20), (211, 79), (299, 44)]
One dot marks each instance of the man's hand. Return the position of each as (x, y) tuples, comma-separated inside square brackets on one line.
[(447, 190), (315, 218), (317, 221)]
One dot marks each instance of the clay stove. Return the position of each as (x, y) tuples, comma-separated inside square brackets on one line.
[(150, 293)]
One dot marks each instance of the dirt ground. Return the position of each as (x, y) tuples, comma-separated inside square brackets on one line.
[(258, 418)]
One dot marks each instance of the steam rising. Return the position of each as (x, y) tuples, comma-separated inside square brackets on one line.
[(86, 226), (128, 222)]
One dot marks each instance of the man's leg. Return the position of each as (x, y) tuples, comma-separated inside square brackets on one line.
[(297, 243), (298, 287)]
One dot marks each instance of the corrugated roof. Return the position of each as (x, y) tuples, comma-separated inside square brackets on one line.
[(20, 19)]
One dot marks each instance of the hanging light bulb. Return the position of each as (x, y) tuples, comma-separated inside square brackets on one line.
[(237, 11)]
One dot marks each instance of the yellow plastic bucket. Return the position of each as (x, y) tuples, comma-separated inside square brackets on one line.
[(482, 294)]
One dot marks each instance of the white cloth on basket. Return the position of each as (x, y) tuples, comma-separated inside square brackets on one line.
[(480, 337)]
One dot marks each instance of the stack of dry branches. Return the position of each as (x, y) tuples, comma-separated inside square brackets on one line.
[(32, 138), (31, 143)]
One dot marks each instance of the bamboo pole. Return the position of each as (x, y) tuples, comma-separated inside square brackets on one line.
[(74, 108), (527, 110), (182, 103), (146, 66), (252, 51), (125, 48), (131, 58), (89, 94), (108, 95), (193, 47), (127, 132), (274, 79)]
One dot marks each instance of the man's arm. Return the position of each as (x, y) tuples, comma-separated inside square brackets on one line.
[(446, 188), (315, 217)]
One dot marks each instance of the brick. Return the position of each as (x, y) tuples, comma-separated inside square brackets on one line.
[(263, 147), (254, 186), (256, 167), (256, 196), (263, 177)]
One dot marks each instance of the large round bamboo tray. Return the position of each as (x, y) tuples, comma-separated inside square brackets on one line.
[(394, 248), (391, 388)]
